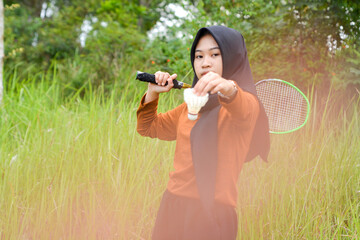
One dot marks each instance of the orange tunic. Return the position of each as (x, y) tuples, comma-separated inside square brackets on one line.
[(236, 123)]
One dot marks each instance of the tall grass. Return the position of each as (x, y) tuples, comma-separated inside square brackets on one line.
[(310, 189), (77, 169)]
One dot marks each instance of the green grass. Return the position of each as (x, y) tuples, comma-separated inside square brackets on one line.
[(77, 169)]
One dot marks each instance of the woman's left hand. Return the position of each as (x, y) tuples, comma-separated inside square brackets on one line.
[(213, 83)]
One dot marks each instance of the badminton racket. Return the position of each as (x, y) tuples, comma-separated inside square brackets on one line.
[(285, 105)]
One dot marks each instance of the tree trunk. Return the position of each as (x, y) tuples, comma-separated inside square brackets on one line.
[(140, 21), (1, 48)]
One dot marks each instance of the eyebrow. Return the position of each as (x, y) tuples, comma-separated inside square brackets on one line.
[(213, 48)]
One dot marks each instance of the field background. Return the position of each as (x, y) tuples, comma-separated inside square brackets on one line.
[(72, 165)]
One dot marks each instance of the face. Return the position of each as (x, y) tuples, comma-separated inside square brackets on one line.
[(207, 57)]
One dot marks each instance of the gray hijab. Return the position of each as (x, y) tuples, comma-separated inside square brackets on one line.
[(204, 134)]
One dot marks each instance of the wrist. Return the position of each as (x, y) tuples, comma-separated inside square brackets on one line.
[(151, 96), (230, 94)]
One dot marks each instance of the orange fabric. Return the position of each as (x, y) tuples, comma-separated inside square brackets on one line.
[(235, 126)]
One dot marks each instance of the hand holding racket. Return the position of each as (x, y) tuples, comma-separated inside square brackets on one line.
[(147, 77)]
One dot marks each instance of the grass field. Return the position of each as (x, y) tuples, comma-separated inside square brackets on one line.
[(77, 169)]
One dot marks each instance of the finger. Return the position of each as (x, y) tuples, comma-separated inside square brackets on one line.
[(160, 78), (200, 85), (157, 74), (170, 83), (174, 76), (206, 83), (218, 88), (210, 86), (216, 83), (164, 79), (171, 79)]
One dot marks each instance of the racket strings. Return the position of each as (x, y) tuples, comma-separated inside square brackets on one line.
[(285, 107)]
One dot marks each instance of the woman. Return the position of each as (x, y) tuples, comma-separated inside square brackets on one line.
[(232, 128)]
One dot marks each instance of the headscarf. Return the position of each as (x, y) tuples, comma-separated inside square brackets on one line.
[(204, 134)]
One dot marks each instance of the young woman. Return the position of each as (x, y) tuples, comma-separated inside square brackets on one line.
[(232, 128)]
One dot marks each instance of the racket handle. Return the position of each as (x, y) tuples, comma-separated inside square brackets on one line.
[(147, 77)]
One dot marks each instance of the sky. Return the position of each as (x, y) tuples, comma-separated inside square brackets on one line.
[(161, 26), (159, 29)]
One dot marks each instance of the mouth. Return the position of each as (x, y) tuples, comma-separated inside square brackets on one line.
[(204, 73)]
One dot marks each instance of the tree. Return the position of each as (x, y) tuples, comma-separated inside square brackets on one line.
[(104, 34), (306, 42)]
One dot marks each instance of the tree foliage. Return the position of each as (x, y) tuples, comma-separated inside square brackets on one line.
[(96, 41), (302, 41)]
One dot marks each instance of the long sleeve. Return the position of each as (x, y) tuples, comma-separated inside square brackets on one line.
[(236, 122), (154, 125), (242, 108)]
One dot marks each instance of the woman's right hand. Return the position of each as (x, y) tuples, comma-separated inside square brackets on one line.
[(161, 79)]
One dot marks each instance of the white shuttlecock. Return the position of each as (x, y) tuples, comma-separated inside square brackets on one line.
[(194, 103)]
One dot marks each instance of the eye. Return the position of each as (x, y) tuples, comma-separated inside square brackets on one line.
[(198, 56), (216, 54)]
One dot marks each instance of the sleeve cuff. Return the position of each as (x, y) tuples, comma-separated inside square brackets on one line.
[(153, 103)]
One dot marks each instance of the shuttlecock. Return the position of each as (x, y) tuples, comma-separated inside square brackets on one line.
[(194, 103)]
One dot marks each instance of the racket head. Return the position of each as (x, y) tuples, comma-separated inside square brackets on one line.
[(285, 105)]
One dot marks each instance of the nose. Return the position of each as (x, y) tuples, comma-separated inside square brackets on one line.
[(206, 62)]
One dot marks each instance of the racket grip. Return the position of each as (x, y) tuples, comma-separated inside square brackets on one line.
[(147, 77)]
